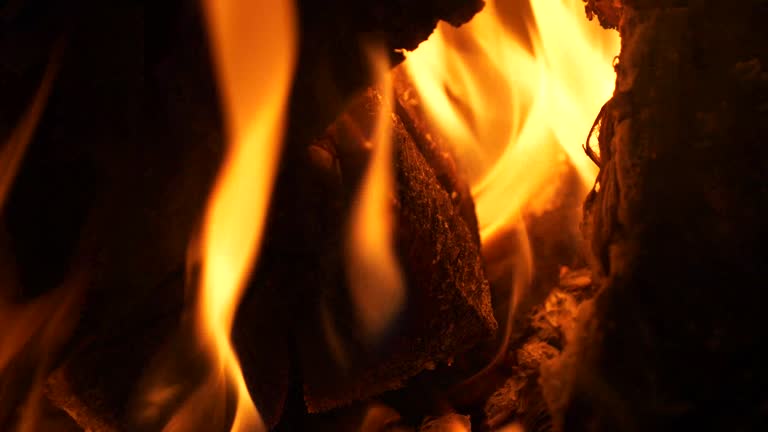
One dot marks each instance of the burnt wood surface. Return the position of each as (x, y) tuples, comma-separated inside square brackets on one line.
[(677, 229), (441, 263)]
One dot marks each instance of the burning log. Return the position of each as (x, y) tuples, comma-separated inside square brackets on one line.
[(676, 228), (435, 150), (441, 264), (448, 422)]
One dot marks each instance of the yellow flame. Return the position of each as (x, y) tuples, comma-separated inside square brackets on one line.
[(375, 280), (253, 44), (516, 112)]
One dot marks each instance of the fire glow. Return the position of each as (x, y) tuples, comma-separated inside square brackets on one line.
[(511, 109), (514, 110), (513, 105)]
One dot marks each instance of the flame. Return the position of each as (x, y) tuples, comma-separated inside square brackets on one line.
[(12, 152), (375, 280), (254, 46), (515, 110), (516, 101), (33, 331), (32, 335)]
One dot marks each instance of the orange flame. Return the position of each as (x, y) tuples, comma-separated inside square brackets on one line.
[(516, 113), (255, 66), (375, 280), (516, 104), (254, 45), (31, 332)]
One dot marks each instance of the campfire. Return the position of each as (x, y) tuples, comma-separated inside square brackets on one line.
[(466, 215)]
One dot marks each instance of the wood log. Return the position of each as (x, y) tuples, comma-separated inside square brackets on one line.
[(432, 145), (676, 228), (555, 241), (444, 275)]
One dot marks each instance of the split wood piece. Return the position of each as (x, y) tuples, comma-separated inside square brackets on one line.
[(438, 153), (448, 306), (553, 235), (676, 224), (555, 241)]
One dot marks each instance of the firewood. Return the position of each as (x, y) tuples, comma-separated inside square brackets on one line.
[(298, 259), (434, 148), (676, 229), (441, 263)]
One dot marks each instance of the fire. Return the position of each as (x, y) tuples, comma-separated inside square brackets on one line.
[(516, 102), (515, 107), (253, 44), (375, 280), (33, 332), (12, 151)]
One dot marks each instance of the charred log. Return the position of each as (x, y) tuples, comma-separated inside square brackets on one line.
[(443, 271), (677, 232)]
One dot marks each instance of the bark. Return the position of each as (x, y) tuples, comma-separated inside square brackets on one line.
[(443, 272), (677, 232)]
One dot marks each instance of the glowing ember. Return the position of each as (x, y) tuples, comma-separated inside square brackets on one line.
[(375, 279), (516, 111)]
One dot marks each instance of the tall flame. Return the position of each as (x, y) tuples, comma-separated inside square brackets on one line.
[(254, 45), (375, 280), (516, 110)]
